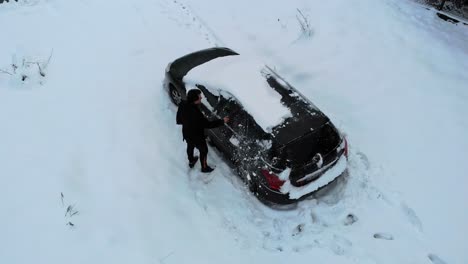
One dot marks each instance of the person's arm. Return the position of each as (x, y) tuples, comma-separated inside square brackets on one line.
[(179, 119), (212, 124)]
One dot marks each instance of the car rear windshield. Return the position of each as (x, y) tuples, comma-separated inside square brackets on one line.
[(301, 151)]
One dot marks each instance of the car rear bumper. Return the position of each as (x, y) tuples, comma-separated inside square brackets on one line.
[(290, 194), (271, 197)]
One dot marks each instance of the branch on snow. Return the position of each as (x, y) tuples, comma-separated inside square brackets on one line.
[(40, 66), (7, 72), (304, 23)]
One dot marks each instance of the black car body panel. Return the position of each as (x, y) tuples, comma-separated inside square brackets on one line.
[(306, 142), (182, 65)]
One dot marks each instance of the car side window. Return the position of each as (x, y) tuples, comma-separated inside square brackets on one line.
[(240, 120), (249, 129), (227, 107)]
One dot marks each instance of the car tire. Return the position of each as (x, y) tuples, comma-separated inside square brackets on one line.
[(253, 187), (251, 183), (175, 95)]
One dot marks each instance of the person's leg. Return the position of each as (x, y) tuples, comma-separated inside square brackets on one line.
[(203, 148), (191, 158)]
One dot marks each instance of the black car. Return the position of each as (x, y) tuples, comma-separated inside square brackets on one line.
[(281, 164)]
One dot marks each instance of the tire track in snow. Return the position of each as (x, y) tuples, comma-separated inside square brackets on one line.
[(183, 15)]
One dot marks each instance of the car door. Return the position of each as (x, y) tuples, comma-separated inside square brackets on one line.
[(228, 135), (215, 106)]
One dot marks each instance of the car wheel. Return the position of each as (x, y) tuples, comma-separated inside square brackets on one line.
[(253, 187), (251, 183), (175, 95)]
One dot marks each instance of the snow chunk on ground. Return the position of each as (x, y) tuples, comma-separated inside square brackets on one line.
[(326, 178), (243, 78)]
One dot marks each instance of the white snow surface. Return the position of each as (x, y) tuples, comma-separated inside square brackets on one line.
[(93, 168), (242, 77)]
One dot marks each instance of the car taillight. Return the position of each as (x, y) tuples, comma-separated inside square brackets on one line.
[(345, 147), (273, 180)]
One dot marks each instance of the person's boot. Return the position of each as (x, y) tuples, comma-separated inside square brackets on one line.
[(207, 169), (193, 162)]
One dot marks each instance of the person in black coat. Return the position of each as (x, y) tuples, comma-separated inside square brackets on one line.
[(194, 124)]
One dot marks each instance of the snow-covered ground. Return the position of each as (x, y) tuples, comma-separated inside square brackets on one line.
[(93, 167)]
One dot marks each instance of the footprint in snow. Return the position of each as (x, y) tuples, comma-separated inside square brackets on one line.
[(385, 236), (340, 245), (298, 230), (364, 159), (435, 259), (207, 178), (350, 219), (412, 217)]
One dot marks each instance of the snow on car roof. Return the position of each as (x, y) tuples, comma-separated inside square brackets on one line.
[(243, 79)]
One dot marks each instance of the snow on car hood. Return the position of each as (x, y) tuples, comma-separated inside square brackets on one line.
[(243, 79)]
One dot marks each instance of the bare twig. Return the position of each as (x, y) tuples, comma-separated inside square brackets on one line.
[(48, 60), (71, 211), (304, 23), (40, 69), (161, 260), (7, 72), (74, 213), (62, 196), (41, 72), (69, 208), (44, 65)]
